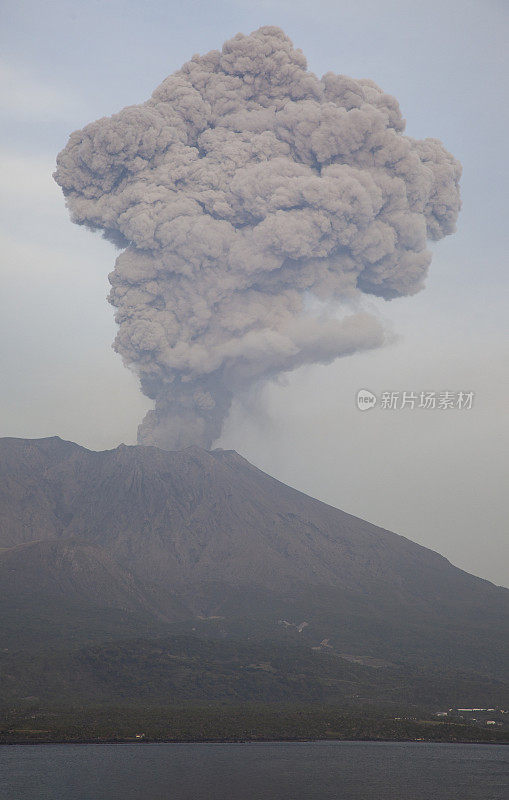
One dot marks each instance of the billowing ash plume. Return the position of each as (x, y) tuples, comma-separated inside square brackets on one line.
[(243, 190)]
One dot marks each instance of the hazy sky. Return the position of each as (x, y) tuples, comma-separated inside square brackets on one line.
[(438, 477)]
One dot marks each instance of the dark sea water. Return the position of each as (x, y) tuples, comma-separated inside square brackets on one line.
[(262, 771)]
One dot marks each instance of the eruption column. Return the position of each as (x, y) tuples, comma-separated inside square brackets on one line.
[(243, 189)]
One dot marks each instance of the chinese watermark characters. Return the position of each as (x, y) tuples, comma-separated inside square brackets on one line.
[(401, 400)]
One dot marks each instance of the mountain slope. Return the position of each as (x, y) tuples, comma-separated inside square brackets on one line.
[(59, 591), (209, 538), (64, 569)]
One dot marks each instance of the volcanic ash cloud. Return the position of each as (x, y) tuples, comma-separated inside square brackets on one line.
[(250, 199)]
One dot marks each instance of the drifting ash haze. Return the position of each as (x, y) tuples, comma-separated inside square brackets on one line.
[(251, 200)]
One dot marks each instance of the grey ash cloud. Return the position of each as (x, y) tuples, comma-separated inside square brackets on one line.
[(251, 199)]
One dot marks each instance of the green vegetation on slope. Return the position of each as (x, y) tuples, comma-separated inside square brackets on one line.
[(188, 669), (226, 723)]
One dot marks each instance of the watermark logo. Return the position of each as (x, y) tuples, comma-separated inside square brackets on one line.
[(365, 399), (401, 400)]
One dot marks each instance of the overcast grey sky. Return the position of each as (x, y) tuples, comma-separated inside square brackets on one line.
[(439, 478)]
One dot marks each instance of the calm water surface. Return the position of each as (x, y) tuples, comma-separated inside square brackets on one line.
[(262, 771)]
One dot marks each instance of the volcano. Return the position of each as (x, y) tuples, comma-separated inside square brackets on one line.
[(139, 543)]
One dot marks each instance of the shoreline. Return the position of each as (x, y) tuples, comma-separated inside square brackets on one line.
[(34, 743)]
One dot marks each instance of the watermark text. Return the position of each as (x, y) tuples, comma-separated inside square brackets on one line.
[(426, 400)]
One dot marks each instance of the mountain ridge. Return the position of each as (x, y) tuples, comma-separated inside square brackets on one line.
[(133, 461), (204, 543)]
